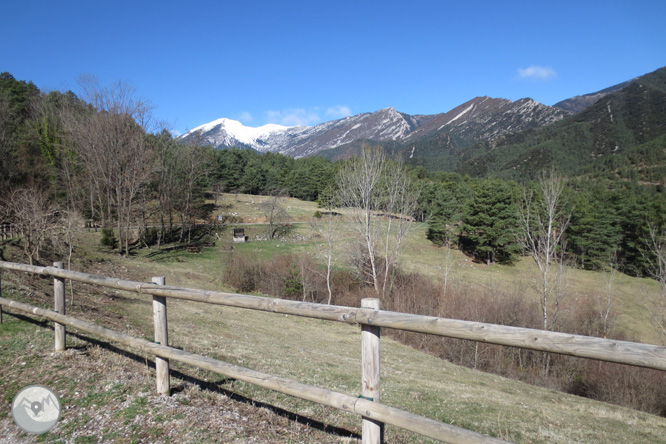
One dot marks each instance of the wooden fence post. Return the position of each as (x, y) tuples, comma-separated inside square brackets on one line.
[(373, 431), (161, 337), (59, 307)]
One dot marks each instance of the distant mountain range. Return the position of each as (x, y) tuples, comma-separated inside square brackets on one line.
[(299, 141), (482, 136), (622, 121), (478, 119)]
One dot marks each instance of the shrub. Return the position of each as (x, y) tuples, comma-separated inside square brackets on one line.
[(109, 238), (149, 236), (299, 277)]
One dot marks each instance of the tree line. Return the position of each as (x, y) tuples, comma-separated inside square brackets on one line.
[(104, 158), (609, 219)]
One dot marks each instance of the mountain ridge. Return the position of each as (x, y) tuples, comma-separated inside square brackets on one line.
[(483, 136), (622, 119), (474, 120)]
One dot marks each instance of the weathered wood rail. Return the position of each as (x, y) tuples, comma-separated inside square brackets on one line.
[(368, 316)]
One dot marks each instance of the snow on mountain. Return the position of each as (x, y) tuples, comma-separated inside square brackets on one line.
[(298, 141), (226, 132), (479, 118)]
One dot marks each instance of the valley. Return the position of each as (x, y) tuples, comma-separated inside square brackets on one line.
[(412, 379)]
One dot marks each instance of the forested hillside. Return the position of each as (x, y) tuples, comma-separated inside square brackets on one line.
[(103, 160), (100, 160), (614, 125)]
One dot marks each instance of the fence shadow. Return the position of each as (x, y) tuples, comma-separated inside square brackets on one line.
[(216, 387)]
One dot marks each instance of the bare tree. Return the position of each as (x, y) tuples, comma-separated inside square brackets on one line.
[(70, 225), (195, 166), (379, 198), (276, 215), (399, 203), (34, 215), (449, 262), (656, 258), (543, 220), (166, 183), (359, 184), (327, 225), (606, 300), (111, 146)]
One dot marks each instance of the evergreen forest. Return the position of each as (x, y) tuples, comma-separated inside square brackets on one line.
[(102, 159)]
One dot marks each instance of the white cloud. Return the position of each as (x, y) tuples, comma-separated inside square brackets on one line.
[(338, 112), (293, 117), (175, 133), (534, 72), (245, 117)]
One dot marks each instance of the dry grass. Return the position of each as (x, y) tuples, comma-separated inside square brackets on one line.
[(629, 293), (108, 393), (418, 254), (251, 209), (111, 395)]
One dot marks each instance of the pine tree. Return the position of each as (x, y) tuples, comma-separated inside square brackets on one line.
[(489, 223)]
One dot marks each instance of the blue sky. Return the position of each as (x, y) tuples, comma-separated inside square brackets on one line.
[(304, 62)]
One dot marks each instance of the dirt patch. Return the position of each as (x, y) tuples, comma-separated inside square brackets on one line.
[(108, 395)]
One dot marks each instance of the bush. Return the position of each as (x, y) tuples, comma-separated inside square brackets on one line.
[(109, 238), (149, 236), (241, 274), (300, 278)]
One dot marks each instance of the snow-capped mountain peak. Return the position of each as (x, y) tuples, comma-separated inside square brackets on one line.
[(478, 119), (228, 132)]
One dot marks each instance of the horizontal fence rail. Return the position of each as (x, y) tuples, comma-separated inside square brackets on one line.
[(621, 352), (379, 412), (370, 319)]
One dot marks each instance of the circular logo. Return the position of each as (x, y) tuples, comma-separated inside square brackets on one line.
[(36, 409)]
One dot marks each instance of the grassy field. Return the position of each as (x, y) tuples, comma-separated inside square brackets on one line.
[(108, 392), (418, 254)]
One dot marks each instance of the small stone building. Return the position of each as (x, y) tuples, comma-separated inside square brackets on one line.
[(239, 235)]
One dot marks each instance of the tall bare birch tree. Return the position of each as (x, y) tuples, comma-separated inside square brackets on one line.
[(543, 220), (380, 199), (326, 225)]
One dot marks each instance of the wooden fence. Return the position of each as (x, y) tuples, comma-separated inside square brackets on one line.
[(368, 316)]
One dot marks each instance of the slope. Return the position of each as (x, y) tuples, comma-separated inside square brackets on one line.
[(576, 104), (616, 123), (110, 395)]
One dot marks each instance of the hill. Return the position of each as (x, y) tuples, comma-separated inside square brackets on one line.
[(574, 105), (108, 392), (618, 122)]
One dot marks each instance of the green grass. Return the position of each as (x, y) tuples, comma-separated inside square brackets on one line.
[(320, 353), (328, 355), (252, 208)]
